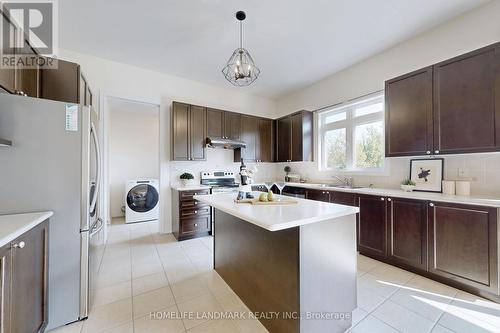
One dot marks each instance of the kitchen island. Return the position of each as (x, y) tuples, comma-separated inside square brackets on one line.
[(293, 265)]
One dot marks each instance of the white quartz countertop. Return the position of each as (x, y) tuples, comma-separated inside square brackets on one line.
[(13, 226), (469, 200), (278, 217), (179, 187)]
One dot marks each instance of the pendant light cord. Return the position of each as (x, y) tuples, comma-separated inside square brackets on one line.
[(241, 34)]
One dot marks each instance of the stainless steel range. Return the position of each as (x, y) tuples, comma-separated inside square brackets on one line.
[(220, 181)]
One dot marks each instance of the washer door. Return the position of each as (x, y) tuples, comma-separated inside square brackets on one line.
[(142, 198)]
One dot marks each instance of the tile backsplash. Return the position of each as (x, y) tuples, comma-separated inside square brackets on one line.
[(483, 170)]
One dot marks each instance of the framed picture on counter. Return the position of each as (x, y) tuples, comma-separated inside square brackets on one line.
[(427, 174)]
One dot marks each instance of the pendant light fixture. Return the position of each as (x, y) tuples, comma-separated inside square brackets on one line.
[(240, 69)]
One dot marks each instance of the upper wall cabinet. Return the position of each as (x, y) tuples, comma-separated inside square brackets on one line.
[(223, 124), (294, 137), (409, 114), (189, 123), (449, 108), (466, 116), (257, 133)]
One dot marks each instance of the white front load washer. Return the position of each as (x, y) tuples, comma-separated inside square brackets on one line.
[(142, 200)]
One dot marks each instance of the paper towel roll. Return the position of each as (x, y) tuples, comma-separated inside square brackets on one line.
[(449, 187), (463, 187)]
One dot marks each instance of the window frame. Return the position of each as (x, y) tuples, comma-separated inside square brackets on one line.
[(350, 124)]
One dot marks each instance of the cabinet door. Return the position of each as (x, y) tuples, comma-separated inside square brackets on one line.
[(296, 137), (215, 123), (249, 135), (5, 288), (283, 139), (408, 112), (463, 244), (8, 75), (27, 77), (408, 231), (464, 103), (372, 225), (61, 84), (232, 125), (197, 133), (180, 132), (265, 140), (343, 198), (29, 280), (318, 195)]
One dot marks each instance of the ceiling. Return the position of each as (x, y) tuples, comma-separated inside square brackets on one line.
[(294, 42)]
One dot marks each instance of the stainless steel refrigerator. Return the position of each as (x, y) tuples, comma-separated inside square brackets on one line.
[(54, 164)]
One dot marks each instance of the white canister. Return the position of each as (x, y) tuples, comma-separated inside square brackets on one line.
[(449, 187), (463, 187)]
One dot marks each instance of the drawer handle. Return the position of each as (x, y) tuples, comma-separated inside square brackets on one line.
[(428, 152), (383, 199), (196, 224), (389, 199), (431, 204), (19, 245), (436, 151)]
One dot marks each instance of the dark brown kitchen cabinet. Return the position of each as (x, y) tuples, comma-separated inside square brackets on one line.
[(408, 112), (223, 124), (463, 115), (61, 83), (372, 225), (24, 282), (249, 135), (283, 134), (188, 132), (463, 244), (466, 114), (232, 125), (318, 195), (407, 239), (265, 142), (294, 137), (215, 123), (257, 133), (343, 198), (190, 218)]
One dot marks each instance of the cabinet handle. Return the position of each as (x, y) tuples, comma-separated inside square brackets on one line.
[(431, 204), (389, 199), (196, 202), (196, 212), (19, 245), (383, 199), (196, 224), (428, 152), (436, 152)]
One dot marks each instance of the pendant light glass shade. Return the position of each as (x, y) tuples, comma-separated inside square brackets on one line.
[(240, 69)]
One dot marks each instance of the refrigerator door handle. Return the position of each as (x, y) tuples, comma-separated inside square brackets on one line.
[(98, 167)]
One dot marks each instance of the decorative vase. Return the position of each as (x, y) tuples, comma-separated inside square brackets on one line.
[(187, 182), (408, 188)]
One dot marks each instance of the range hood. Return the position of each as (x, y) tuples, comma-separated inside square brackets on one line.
[(225, 143)]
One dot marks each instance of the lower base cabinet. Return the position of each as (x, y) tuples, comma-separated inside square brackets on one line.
[(190, 218), (372, 225), (407, 226), (24, 282), (463, 244)]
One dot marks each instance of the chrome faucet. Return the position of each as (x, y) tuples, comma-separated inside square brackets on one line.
[(346, 181)]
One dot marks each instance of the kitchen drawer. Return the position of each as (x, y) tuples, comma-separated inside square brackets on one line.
[(195, 212), (194, 225), (188, 195), (192, 204)]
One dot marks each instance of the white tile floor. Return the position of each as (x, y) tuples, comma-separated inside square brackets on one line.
[(143, 271)]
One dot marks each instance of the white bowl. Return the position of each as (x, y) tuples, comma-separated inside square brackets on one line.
[(408, 188)]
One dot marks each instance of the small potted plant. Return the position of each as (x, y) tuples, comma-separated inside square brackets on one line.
[(408, 185), (187, 179), (287, 170)]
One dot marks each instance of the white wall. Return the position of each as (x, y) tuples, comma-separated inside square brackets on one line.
[(465, 33), (133, 150), (117, 79)]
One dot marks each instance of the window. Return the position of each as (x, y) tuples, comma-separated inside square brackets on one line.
[(352, 136)]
